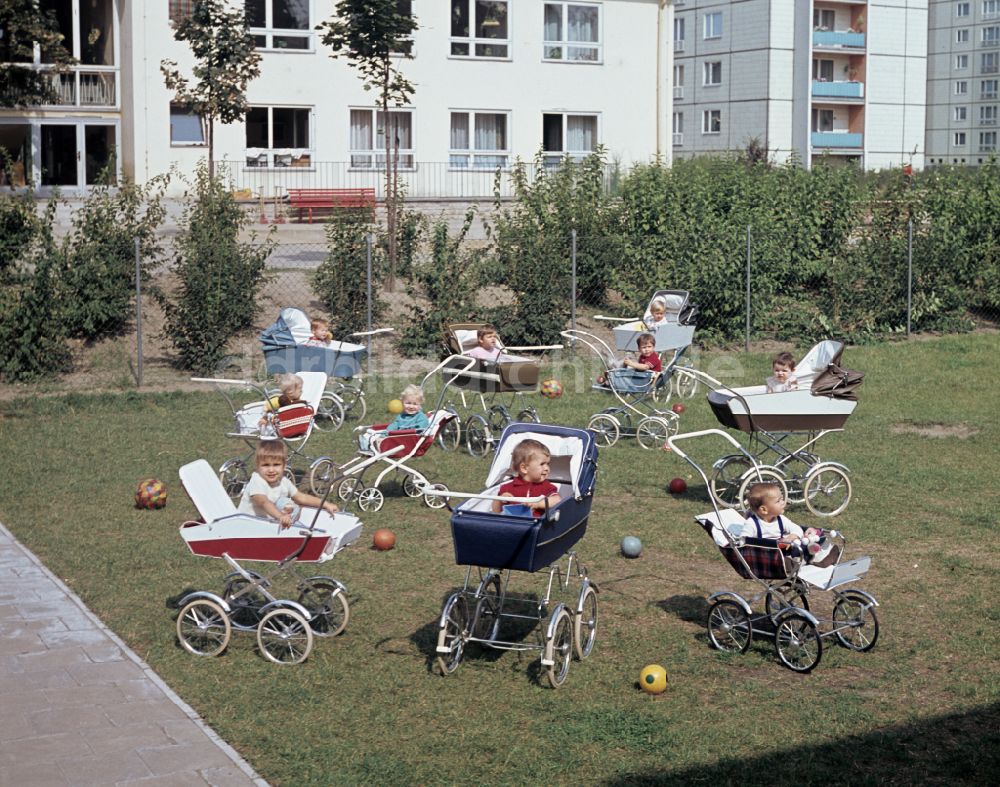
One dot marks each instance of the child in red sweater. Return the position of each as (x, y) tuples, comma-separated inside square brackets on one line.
[(530, 463), (648, 360)]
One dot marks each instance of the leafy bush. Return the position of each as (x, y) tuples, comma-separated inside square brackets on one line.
[(220, 278), (341, 280), (19, 225)]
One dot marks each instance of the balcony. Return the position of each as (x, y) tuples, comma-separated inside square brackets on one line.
[(834, 39), (679, 45), (987, 121), (987, 148), (86, 88), (836, 139), (838, 89)]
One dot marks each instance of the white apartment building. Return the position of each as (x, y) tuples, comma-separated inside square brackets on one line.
[(806, 78), (963, 77), (495, 80)]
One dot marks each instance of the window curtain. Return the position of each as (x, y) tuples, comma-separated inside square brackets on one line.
[(582, 24), (552, 29), (581, 133), (361, 129), (491, 132), (459, 131), (399, 126)]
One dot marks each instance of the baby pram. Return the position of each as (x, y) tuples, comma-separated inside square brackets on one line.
[(285, 628), (292, 424), (495, 385), (783, 429), (784, 580), (673, 336), (493, 546), (637, 413), (285, 347)]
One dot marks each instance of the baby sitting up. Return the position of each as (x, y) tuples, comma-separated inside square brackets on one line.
[(530, 464), (765, 520), (270, 493), (291, 393), (412, 417), (321, 336)]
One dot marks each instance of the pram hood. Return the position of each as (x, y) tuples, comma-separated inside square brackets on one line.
[(676, 305), (838, 383), (568, 446)]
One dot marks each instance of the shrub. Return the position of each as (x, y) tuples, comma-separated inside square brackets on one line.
[(341, 280), (19, 226)]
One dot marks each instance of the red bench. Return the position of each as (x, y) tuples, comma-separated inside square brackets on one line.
[(329, 199)]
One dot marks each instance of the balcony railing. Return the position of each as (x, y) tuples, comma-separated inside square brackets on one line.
[(678, 91), (990, 43), (679, 45), (838, 89), (987, 148), (987, 121), (836, 139), (86, 88), (833, 38), (678, 138)]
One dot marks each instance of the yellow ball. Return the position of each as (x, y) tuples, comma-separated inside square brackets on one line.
[(272, 403), (395, 406), (653, 679)]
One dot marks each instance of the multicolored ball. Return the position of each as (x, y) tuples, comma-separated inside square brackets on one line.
[(151, 493), (551, 389)]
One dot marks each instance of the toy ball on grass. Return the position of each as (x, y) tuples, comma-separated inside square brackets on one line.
[(551, 389), (383, 539), (678, 486), (653, 679), (395, 406), (151, 494), (631, 546), (678, 408)]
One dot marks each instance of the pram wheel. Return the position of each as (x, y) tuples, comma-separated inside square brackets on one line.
[(284, 637), (450, 433), (729, 627), (321, 473), (796, 468), (798, 643), (486, 621), (203, 628), (353, 401), (652, 432), (684, 385), (528, 416), (452, 634), (827, 491), (605, 428), (558, 647), (478, 437), (855, 622), (410, 486), (326, 600), (498, 417), (234, 476), (244, 600), (761, 475), (350, 488), (726, 479), (585, 622), (434, 501), (785, 596), (329, 413), (370, 499)]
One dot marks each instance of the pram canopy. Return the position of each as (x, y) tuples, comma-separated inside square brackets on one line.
[(285, 350), (507, 374), (675, 332), (506, 541)]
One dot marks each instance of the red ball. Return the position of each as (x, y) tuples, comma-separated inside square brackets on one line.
[(384, 539), (678, 486), (678, 408)]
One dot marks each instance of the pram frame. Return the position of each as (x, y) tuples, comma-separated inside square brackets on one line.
[(796, 631)]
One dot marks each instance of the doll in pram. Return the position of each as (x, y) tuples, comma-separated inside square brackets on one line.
[(784, 579), (264, 418), (494, 546), (495, 385), (783, 429), (289, 347), (285, 628)]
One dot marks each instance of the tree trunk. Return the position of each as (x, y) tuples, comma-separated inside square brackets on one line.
[(390, 184), (211, 148)]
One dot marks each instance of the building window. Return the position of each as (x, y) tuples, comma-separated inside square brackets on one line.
[(961, 61), (961, 87), (822, 120), (961, 9), (572, 32), (988, 115), (991, 8), (822, 70), (678, 81), (278, 137), (367, 137), (478, 140), (962, 35), (990, 62), (186, 127), (567, 135), (713, 73), (988, 88), (405, 47), (711, 121), (479, 28), (958, 139), (987, 141), (678, 34), (823, 18), (713, 25), (678, 128), (991, 35), (961, 113), (279, 24)]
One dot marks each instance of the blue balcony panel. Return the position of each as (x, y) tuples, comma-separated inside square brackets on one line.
[(833, 38), (835, 139), (839, 89)]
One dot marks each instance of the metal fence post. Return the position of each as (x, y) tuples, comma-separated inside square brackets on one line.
[(746, 343), (572, 303), (138, 316), (368, 255), (909, 275)]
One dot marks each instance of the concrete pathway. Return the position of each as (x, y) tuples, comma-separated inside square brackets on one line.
[(77, 707)]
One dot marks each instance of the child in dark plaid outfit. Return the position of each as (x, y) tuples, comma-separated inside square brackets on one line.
[(765, 520)]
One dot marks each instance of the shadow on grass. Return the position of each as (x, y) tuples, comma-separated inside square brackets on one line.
[(961, 748), (690, 609)]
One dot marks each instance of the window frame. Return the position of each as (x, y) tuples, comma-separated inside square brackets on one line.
[(989, 63), (961, 62), (961, 87), (711, 35), (281, 157), (472, 151), (269, 32), (987, 141), (988, 115), (677, 129), (473, 42), (958, 139), (377, 164), (990, 8), (989, 88), (553, 158), (962, 35), (710, 118), (174, 143), (565, 44), (960, 114), (994, 35), (709, 67), (962, 10)]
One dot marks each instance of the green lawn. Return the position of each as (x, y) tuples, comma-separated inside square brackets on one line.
[(367, 707)]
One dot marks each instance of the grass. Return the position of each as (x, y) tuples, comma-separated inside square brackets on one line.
[(923, 706)]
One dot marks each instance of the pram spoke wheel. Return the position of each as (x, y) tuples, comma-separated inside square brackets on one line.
[(370, 499), (652, 432), (605, 429), (434, 501), (783, 597), (410, 486), (284, 637), (451, 637), (498, 417), (234, 476), (350, 488), (585, 623), (855, 622), (486, 621), (321, 473), (528, 416), (796, 469), (478, 437), (329, 413), (353, 401), (559, 647), (761, 475), (729, 627), (726, 479), (327, 603), (798, 643), (245, 601), (450, 433), (203, 628), (684, 385), (827, 491)]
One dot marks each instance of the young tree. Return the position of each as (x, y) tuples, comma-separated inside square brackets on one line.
[(22, 24), (371, 34), (226, 62)]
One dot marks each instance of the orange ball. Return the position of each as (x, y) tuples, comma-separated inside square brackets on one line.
[(384, 539)]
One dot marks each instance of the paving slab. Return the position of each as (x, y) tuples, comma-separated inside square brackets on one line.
[(80, 708)]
